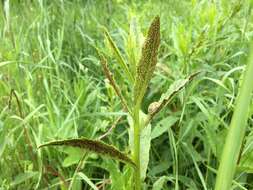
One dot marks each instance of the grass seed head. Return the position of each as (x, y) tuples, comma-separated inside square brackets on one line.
[(148, 60)]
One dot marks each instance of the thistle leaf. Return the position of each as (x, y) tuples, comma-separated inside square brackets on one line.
[(148, 60), (93, 146)]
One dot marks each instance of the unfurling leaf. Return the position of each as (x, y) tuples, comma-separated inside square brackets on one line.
[(175, 87), (148, 60), (93, 146)]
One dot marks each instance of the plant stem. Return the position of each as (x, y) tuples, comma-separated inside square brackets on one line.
[(27, 137), (136, 154), (236, 131), (78, 168)]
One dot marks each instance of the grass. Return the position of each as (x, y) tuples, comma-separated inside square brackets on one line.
[(50, 69), (234, 139)]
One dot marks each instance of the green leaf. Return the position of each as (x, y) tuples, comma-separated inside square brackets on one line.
[(87, 180), (93, 146), (246, 158), (145, 139), (120, 179), (74, 156), (118, 56), (116, 176), (158, 185), (236, 131), (163, 126), (148, 60), (133, 44), (23, 177), (3, 143), (175, 87), (5, 63)]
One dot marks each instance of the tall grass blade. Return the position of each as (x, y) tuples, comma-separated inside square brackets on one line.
[(119, 57), (236, 131)]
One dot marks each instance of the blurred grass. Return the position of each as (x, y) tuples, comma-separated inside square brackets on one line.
[(47, 56)]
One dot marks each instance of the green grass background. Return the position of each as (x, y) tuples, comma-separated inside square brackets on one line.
[(47, 56)]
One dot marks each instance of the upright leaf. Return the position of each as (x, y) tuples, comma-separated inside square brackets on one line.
[(133, 44), (236, 131), (119, 57), (145, 140)]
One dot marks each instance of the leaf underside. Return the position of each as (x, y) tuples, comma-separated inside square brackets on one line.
[(93, 146)]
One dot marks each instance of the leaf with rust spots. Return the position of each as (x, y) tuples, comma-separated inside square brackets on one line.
[(93, 146)]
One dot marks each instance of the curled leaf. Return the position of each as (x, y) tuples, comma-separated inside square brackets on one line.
[(148, 60), (93, 146), (177, 86)]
